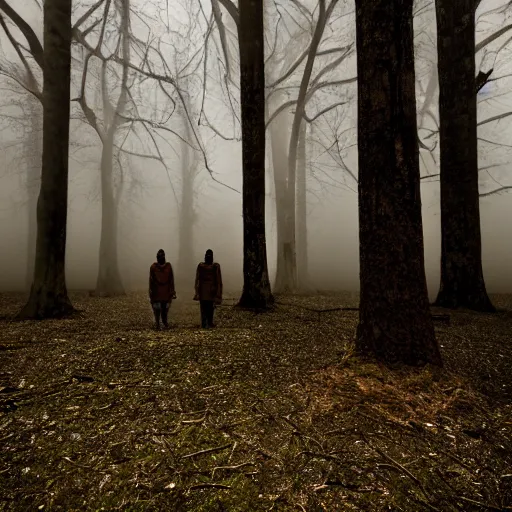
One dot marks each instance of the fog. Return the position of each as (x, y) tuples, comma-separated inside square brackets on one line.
[(149, 203)]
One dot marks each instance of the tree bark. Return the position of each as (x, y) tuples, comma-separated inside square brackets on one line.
[(256, 292), (394, 318), (48, 295), (302, 221), (462, 281), (109, 282)]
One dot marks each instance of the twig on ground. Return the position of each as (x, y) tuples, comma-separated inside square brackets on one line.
[(397, 465), (204, 452), (484, 505), (232, 468), (208, 486)]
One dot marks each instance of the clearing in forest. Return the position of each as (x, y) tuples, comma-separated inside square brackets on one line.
[(264, 412)]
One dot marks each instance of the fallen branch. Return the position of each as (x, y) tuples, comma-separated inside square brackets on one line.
[(198, 420), (325, 456), (397, 465), (204, 452), (440, 318), (232, 468), (484, 505), (208, 486)]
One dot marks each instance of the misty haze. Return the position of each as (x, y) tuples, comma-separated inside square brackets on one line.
[(255, 255)]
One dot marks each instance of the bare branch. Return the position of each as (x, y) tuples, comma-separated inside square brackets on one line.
[(494, 118), (492, 37), (222, 33), (35, 45), (87, 13), (496, 191), (322, 112), (232, 10)]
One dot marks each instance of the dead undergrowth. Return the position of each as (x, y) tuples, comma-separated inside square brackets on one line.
[(265, 412)]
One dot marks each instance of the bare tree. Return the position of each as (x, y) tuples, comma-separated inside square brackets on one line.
[(256, 292), (33, 150), (109, 281), (290, 231), (302, 227), (111, 116), (288, 61), (48, 295), (189, 162), (462, 280), (394, 321)]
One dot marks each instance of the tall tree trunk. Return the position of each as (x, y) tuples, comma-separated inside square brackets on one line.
[(394, 318), (462, 281), (323, 15), (33, 162), (278, 139), (109, 281), (189, 165), (48, 295), (302, 223), (256, 292)]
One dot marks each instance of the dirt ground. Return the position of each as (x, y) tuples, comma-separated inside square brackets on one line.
[(265, 412)]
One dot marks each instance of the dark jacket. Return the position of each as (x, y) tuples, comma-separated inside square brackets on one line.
[(208, 284), (161, 282)]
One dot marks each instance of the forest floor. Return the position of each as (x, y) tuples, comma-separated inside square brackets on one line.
[(265, 412)]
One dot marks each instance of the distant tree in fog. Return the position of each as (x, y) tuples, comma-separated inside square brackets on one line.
[(109, 280), (394, 315), (288, 195), (48, 295), (112, 121)]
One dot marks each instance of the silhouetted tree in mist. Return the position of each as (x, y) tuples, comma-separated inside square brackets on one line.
[(48, 295), (189, 162), (109, 282), (462, 281), (394, 317), (33, 156), (256, 292)]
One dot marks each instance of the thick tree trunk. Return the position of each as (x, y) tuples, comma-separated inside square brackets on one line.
[(462, 281), (302, 224), (394, 323), (34, 157), (256, 292), (48, 295), (109, 282)]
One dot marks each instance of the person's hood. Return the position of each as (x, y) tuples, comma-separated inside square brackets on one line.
[(160, 257)]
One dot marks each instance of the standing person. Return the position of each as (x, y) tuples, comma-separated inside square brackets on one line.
[(161, 288), (208, 288)]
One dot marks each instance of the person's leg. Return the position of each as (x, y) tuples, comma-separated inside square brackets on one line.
[(210, 313), (164, 308), (156, 313), (202, 305)]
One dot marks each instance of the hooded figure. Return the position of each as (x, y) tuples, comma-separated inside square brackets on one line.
[(208, 288), (161, 288)]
